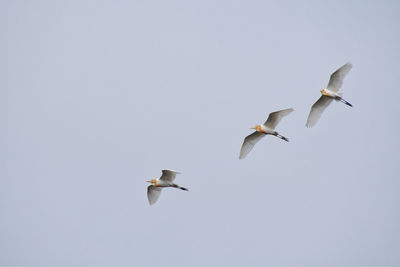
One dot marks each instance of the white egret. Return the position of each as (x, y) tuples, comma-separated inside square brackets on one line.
[(329, 94), (166, 180), (262, 130)]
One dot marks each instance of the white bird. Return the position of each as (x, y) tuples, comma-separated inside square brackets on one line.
[(262, 130), (166, 180), (329, 94)]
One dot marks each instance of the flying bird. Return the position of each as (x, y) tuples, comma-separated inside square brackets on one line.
[(262, 130), (329, 94), (166, 180)]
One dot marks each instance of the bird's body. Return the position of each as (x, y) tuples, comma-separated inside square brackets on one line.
[(166, 180), (267, 128), (264, 129), (329, 94)]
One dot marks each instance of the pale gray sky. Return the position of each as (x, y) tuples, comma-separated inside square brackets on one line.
[(98, 96)]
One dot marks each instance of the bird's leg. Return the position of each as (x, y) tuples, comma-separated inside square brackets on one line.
[(180, 187), (344, 101), (282, 137)]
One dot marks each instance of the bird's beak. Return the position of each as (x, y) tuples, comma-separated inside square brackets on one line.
[(149, 181), (254, 128)]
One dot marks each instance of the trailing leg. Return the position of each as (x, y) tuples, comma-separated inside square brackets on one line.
[(282, 137)]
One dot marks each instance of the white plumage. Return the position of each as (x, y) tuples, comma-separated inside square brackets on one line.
[(261, 130), (329, 94), (166, 180)]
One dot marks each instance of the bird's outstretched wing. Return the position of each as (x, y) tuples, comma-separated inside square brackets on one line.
[(336, 80), (317, 109), (168, 175), (275, 117), (249, 143), (153, 193)]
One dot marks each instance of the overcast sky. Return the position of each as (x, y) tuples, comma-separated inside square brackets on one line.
[(96, 97)]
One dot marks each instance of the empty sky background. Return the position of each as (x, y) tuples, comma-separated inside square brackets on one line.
[(98, 96)]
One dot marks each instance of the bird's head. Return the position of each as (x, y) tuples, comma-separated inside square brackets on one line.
[(256, 127), (322, 91), (152, 181)]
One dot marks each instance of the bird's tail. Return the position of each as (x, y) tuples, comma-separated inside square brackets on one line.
[(344, 101), (282, 137), (180, 187)]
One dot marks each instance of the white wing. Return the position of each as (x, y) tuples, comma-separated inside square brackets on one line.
[(336, 80), (153, 193), (317, 109), (275, 117), (168, 175), (249, 143)]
